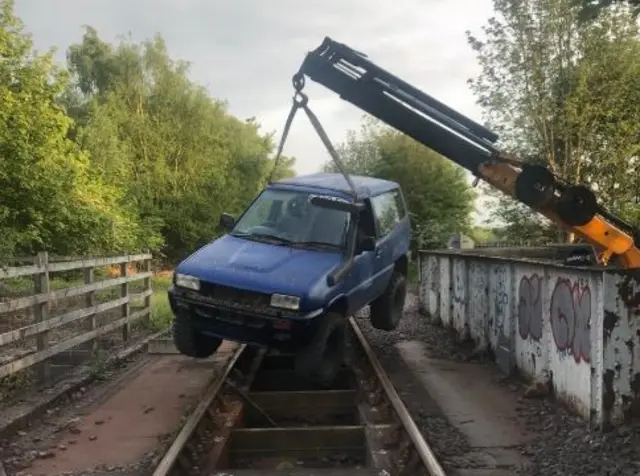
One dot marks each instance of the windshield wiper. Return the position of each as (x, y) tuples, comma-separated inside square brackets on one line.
[(320, 244), (284, 241), (262, 236)]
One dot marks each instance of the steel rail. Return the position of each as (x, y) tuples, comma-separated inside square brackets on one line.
[(172, 454), (422, 447)]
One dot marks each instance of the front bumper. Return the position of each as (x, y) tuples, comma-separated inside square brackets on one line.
[(258, 325)]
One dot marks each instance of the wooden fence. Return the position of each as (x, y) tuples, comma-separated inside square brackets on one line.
[(39, 304)]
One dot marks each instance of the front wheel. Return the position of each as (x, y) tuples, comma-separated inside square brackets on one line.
[(322, 359), (190, 342), (386, 311)]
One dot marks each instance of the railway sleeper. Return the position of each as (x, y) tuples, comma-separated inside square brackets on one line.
[(333, 430), (276, 423)]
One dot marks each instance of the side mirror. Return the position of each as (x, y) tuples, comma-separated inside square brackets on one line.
[(368, 243), (227, 221)]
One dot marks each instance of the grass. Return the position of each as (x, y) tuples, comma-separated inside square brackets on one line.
[(16, 384), (23, 285), (412, 275), (161, 314)]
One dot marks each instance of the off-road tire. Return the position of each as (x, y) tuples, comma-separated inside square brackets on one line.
[(191, 343), (386, 311), (322, 359)]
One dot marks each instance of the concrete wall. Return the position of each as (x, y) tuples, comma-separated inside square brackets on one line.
[(576, 328)]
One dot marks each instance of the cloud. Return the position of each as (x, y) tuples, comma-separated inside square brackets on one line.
[(245, 51)]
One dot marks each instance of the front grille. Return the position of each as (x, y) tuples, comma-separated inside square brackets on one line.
[(234, 297)]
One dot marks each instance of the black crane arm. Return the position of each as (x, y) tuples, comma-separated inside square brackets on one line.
[(402, 106), (359, 81)]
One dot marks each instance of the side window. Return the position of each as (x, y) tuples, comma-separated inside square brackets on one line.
[(385, 207), (397, 196)]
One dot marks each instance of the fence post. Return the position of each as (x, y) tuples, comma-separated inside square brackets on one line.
[(124, 292), (147, 287), (41, 311), (90, 300)]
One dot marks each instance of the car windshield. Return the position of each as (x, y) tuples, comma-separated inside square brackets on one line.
[(288, 217)]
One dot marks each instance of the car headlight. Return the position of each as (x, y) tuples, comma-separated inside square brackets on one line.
[(285, 302), (189, 282)]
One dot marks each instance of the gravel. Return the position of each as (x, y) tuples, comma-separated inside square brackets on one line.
[(564, 445)]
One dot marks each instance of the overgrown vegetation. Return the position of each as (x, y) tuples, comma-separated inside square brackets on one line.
[(118, 152), (161, 314), (121, 151), (564, 92), (559, 83), (437, 192)]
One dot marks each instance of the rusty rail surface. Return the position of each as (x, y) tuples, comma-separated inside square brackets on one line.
[(171, 456), (257, 416), (422, 448)]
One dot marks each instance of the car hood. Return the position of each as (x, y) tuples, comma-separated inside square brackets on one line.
[(260, 267)]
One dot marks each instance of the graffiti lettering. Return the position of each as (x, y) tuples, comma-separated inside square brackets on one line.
[(479, 287), (570, 316), (459, 294), (501, 297), (433, 272), (629, 292), (530, 308)]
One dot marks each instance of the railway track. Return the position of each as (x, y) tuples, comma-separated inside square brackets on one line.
[(257, 418)]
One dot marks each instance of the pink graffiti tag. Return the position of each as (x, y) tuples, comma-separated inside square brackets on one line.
[(530, 308), (570, 316)]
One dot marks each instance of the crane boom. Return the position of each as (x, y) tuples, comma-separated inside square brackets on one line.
[(574, 208)]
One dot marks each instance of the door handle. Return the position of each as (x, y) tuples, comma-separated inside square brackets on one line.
[(378, 253)]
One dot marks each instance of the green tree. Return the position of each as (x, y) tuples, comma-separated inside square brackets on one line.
[(49, 197), (360, 152), (483, 234), (590, 9), (176, 152), (438, 195), (563, 93)]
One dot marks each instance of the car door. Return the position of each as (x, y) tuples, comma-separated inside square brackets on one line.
[(387, 216), (362, 277)]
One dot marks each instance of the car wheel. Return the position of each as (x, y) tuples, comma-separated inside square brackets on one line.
[(191, 343), (386, 311), (322, 359)]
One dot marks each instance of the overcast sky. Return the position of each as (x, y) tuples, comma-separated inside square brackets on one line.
[(245, 51)]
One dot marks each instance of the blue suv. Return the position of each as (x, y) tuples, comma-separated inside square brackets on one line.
[(304, 256)]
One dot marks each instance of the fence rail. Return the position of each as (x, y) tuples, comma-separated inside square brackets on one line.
[(40, 303)]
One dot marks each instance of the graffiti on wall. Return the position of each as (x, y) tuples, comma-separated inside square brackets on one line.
[(570, 316), (459, 294), (478, 285), (629, 292), (501, 296), (433, 266), (530, 308)]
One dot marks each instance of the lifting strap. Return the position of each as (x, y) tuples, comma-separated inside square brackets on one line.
[(301, 101)]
